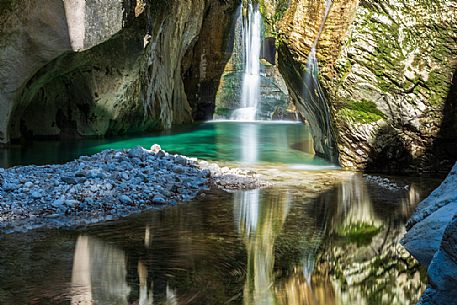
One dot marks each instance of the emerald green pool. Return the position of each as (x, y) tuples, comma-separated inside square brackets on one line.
[(250, 142)]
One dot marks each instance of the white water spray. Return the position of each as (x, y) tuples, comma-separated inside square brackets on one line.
[(250, 93)]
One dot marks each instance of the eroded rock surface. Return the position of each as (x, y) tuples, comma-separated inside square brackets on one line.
[(107, 67), (388, 73)]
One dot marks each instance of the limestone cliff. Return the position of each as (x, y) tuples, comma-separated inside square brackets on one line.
[(387, 70), (81, 68)]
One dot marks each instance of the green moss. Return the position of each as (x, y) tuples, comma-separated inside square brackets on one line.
[(359, 233), (363, 112), (223, 112), (438, 84), (281, 9)]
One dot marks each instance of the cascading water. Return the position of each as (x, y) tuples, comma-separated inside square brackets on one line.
[(250, 94)]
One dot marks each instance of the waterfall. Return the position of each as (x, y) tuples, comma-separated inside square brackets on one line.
[(250, 93), (313, 91)]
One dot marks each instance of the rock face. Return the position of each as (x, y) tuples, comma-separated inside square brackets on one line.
[(431, 238), (77, 68), (388, 73)]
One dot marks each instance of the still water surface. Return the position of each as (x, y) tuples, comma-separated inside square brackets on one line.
[(331, 243), (274, 246)]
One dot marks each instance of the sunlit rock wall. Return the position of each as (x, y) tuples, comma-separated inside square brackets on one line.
[(82, 68), (387, 69)]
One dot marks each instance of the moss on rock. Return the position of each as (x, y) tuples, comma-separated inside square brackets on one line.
[(363, 112)]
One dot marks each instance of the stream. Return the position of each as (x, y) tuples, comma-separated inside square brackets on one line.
[(319, 236)]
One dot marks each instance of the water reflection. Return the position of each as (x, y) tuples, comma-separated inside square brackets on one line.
[(275, 246), (259, 224), (99, 273)]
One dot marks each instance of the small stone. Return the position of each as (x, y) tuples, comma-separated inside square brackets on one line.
[(80, 174), (9, 187), (179, 169), (155, 148), (137, 152), (58, 203), (71, 203), (161, 154), (159, 200), (69, 180), (36, 195), (28, 185), (125, 199), (181, 160)]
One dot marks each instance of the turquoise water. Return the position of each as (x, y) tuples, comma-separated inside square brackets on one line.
[(245, 142)]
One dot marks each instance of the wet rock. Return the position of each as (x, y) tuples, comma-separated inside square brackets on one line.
[(426, 227), (442, 271)]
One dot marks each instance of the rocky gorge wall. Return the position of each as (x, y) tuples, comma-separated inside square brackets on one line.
[(432, 239), (387, 69), (83, 68)]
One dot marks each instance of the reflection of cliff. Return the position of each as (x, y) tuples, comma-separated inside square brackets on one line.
[(99, 273), (274, 246), (362, 256), (348, 249)]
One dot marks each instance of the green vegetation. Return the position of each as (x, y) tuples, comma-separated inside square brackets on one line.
[(359, 233), (438, 83), (281, 9), (364, 112), (223, 112)]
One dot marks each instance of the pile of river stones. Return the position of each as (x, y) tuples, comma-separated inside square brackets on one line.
[(111, 184)]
